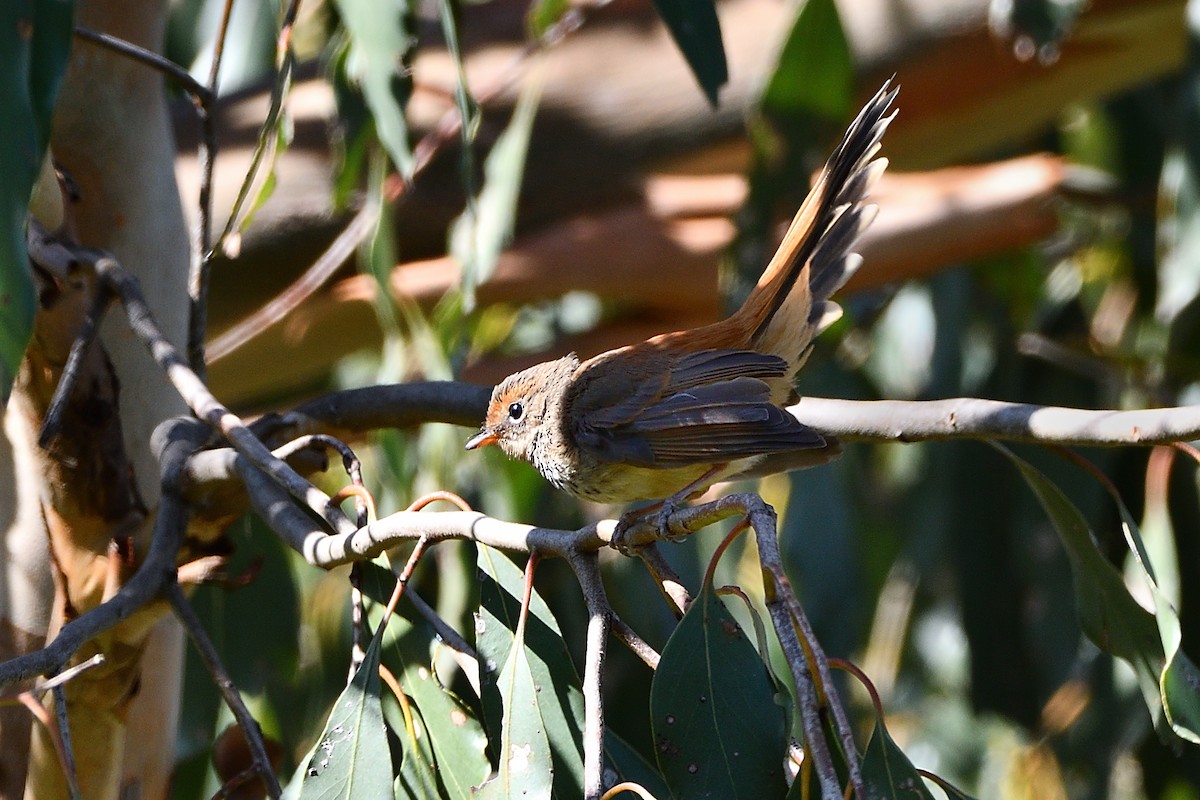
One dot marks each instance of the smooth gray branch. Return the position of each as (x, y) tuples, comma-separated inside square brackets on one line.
[(973, 418)]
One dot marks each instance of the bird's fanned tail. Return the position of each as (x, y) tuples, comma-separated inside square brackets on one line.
[(788, 309)]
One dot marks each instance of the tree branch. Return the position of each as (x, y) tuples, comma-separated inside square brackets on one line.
[(179, 439), (973, 418)]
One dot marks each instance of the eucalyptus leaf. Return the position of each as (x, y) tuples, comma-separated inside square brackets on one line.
[(382, 36), (351, 759), (1108, 614), (559, 699), (718, 731), (35, 45), (887, 772), (697, 31), (1179, 681), (456, 737), (479, 235)]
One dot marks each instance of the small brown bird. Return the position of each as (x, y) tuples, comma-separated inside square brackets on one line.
[(678, 412)]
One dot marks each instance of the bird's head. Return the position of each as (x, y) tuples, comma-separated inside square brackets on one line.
[(522, 403)]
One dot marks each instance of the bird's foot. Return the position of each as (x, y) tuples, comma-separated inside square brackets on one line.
[(657, 517)]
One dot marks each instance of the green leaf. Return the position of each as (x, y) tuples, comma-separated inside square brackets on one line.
[(34, 47), (352, 759), (560, 699), (718, 731), (524, 746), (455, 735), (1179, 681), (815, 71), (544, 14), (468, 109), (417, 778), (382, 36), (1108, 614), (887, 772), (479, 235), (632, 766), (697, 31)]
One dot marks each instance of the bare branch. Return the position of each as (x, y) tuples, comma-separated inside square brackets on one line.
[(202, 402), (600, 615), (176, 440), (63, 743), (220, 676), (972, 418)]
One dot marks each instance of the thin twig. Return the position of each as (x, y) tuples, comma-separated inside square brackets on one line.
[(52, 421), (175, 440), (201, 267), (57, 680), (64, 736), (587, 571), (203, 404), (669, 584), (220, 676), (629, 637), (287, 301), (788, 615), (284, 65), (451, 637), (151, 59)]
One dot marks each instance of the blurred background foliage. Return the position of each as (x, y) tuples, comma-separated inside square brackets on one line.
[(931, 565)]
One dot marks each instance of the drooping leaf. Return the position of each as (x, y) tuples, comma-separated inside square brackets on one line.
[(34, 47), (454, 734), (486, 226), (468, 109), (351, 759), (1179, 681), (1108, 614), (718, 731), (381, 40), (815, 70), (695, 27), (417, 776), (525, 770), (560, 697)]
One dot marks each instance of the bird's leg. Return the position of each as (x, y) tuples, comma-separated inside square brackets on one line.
[(659, 514)]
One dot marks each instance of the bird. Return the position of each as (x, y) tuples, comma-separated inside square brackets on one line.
[(666, 418)]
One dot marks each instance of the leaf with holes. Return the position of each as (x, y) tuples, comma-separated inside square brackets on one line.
[(559, 696), (718, 732), (352, 759)]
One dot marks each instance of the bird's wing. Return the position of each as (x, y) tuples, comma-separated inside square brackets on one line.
[(709, 407)]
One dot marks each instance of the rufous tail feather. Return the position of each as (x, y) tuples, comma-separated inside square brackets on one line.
[(790, 304)]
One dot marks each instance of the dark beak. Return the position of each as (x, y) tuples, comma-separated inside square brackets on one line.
[(482, 439)]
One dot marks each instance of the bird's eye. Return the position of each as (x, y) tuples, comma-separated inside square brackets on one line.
[(516, 411)]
